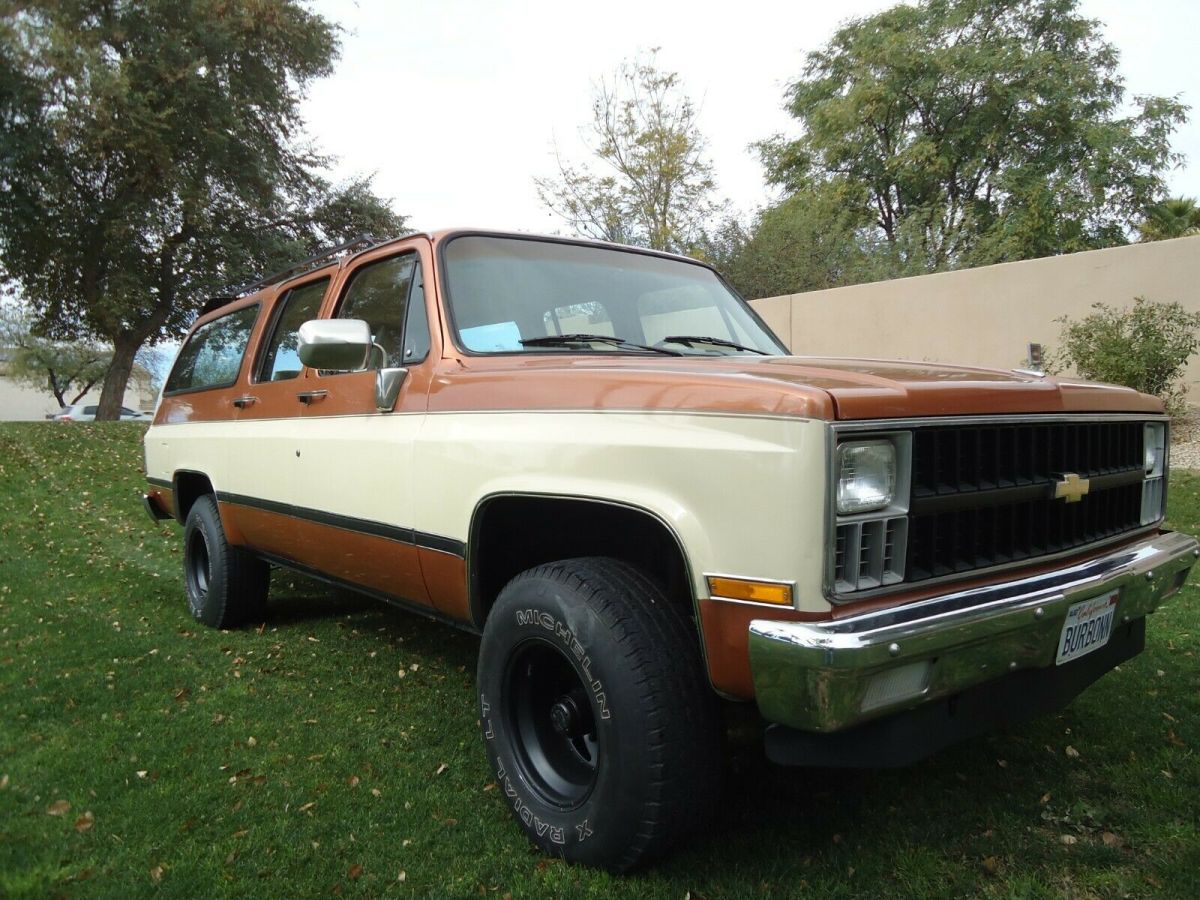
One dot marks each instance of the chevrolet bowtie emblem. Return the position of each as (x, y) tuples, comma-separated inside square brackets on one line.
[(1071, 488)]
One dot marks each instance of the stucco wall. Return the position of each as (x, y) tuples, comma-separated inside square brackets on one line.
[(985, 316)]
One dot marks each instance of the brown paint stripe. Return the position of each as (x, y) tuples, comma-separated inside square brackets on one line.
[(400, 534)]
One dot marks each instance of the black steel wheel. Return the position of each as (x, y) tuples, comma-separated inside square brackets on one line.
[(597, 716), (555, 736), (226, 586)]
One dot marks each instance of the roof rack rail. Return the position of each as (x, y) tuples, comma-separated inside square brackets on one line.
[(316, 261)]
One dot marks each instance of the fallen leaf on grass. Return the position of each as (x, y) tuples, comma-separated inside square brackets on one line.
[(355, 871), (375, 792), (1071, 752), (352, 781), (991, 865), (3, 782), (1069, 839), (1111, 840), (1174, 739), (402, 877), (84, 822), (440, 769), (58, 808), (307, 806), (156, 873)]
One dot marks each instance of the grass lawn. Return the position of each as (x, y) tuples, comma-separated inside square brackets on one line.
[(335, 750)]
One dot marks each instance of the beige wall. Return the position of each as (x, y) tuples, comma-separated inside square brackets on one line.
[(985, 316)]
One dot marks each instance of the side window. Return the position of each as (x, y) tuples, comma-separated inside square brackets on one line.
[(213, 354), (389, 295), (416, 329), (281, 360)]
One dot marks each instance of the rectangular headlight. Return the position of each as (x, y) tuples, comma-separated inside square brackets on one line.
[(866, 476), (1156, 448), (1154, 494)]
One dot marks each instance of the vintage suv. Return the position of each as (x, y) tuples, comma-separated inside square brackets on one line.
[(600, 458)]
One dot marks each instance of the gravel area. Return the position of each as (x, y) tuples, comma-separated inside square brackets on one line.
[(1185, 455), (1185, 443)]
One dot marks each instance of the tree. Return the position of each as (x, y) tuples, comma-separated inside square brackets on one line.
[(977, 131), (652, 185), (1171, 218), (151, 155), (1145, 347), (803, 243), (66, 369)]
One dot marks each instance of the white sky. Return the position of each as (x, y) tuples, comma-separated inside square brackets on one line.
[(456, 104)]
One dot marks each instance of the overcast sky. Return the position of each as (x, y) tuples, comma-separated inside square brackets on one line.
[(456, 105)]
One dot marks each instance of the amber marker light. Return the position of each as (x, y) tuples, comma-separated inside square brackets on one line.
[(752, 591)]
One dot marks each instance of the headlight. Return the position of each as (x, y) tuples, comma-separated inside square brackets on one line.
[(1154, 494), (866, 476), (1156, 446)]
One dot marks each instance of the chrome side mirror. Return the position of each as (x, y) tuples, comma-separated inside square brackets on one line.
[(387, 388), (335, 345)]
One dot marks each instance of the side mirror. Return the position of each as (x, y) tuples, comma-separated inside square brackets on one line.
[(336, 345)]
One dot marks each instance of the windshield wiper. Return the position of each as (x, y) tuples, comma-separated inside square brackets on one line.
[(562, 340), (689, 339)]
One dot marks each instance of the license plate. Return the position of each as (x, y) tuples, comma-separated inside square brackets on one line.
[(1088, 627)]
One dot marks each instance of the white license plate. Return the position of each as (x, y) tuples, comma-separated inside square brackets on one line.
[(1088, 627)]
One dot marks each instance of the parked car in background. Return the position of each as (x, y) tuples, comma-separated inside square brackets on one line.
[(79, 413)]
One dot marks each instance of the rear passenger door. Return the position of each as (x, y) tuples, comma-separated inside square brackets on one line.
[(265, 457), (356, 467)]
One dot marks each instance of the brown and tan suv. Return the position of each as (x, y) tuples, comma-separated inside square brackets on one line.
[(600, 459)]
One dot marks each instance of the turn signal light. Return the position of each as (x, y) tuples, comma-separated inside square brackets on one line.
[(753, 591)]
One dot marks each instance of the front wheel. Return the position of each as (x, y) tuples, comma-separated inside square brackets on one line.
[(596, 713)]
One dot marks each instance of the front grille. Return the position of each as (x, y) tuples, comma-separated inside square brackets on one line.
[(954, 541), (959, 459), (983, 495)]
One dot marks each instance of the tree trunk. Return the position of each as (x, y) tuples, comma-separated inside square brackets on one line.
[(117, 379)]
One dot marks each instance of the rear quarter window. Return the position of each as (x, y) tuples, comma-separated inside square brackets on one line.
[(212, 356)]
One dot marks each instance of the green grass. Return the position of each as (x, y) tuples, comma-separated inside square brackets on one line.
[(296, 761)]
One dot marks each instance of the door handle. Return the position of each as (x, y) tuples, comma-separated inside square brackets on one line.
[(244, 401), (307, 397)]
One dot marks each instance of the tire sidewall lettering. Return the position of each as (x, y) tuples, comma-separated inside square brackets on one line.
[(546, 623), (541, 827)]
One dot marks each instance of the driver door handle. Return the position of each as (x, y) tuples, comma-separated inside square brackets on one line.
[(244, 401), (308, 397)]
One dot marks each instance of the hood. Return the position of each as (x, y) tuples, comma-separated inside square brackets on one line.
[(879, 389), (779, 385)]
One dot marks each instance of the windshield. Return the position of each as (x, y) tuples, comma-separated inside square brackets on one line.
[(514, 295)]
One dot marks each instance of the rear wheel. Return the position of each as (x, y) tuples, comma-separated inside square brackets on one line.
[(226, 586), (596, 713)]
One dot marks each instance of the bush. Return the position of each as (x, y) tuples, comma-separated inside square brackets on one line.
[(1145, 347)]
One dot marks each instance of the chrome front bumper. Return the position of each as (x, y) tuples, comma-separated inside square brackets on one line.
[(829, 676)]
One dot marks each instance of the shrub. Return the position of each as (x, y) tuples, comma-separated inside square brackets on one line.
[(1145, 347)]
